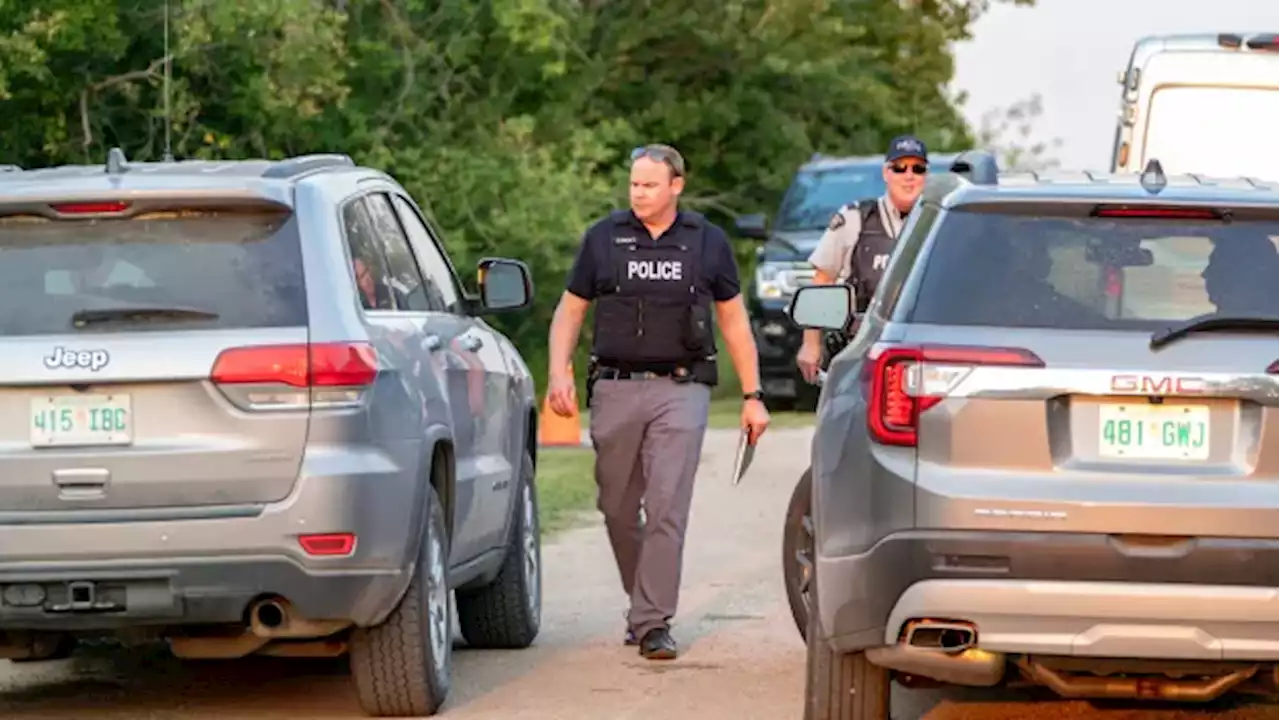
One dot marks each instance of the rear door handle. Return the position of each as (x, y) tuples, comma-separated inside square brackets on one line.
[(431, 343)]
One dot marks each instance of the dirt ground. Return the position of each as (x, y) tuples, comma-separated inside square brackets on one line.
[(742, 658)]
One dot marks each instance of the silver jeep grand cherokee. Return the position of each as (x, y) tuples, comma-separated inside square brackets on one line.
[(1049, 451), (247, 407)]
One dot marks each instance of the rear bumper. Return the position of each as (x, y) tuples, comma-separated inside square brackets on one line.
[(1102, 620), (205, 564), (192, 591), (1056, 587)]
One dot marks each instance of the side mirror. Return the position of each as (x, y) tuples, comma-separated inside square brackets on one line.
[(751, 226), (504, 284), (822, 307)]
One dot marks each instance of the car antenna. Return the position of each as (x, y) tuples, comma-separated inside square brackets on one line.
[(168, 71), (1153, 179)]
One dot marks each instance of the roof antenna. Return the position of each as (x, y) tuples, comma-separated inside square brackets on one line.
[(1153, 179), (168, 69)]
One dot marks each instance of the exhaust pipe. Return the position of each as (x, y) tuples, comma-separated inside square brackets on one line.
[(275, 619), (942, 651), (267, 617)]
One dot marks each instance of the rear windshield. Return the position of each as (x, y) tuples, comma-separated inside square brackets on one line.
[(1005, 270), (245, 268)]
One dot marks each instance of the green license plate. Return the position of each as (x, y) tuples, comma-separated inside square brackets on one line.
[(81, 420), (1154, 432)]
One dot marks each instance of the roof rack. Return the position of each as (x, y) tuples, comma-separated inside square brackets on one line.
[(307, 163), (977, 166)]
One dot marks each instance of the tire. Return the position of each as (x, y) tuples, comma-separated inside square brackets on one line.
[(797, 552), (507, 613), (842, 686), (402, 667)]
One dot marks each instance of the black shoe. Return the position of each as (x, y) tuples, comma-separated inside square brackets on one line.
[(630, 638), (658, 645)]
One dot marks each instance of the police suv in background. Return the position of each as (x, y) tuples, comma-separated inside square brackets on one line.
[(819, 189), (1189, 99)]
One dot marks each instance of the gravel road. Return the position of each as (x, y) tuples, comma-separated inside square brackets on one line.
[(742, 658)]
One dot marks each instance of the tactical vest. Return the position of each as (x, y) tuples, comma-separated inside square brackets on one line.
[(658, 311), (870, 255)]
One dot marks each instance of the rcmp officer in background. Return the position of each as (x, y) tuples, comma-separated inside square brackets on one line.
[(654, 272), (856, 246)]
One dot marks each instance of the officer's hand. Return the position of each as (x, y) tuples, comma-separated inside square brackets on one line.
[(562, 395), (809, 359), (755, 419)]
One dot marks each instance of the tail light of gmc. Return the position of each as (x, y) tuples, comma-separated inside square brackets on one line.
[(905, 381)]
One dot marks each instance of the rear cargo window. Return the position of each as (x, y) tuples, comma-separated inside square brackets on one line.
[(237, 269), (1088, 273)]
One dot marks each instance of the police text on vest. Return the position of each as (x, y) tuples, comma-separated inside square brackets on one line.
[(655, 270)]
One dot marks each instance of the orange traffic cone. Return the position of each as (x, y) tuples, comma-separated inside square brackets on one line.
[(557, 430)]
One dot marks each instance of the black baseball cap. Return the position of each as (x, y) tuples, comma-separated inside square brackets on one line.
[(906, 146)]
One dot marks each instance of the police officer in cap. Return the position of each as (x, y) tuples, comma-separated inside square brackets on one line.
[(860, 237), (655, 272)]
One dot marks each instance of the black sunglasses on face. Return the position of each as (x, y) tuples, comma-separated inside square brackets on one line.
[(662, 155), (917, 168)]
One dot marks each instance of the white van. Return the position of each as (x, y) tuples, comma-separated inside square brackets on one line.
[(1203, 104)]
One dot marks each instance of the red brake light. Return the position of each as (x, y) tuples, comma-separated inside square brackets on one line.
[(342, 370), (90, 208), (893, 412), (329, 544), (1158, 212), (1274, 367)]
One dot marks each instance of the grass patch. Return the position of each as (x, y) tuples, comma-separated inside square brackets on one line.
[(566, 486)]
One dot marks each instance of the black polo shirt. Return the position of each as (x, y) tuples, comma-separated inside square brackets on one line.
[(591, 274)]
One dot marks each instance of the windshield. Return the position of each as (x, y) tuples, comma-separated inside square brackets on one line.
[(816, 195), (243, 269), (1086, 273), (1198, 130)]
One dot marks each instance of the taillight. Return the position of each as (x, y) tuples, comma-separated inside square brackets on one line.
[(906, 381), (290, 377), (1163, 213), (90, 208), (1274, 367), (328, 544)]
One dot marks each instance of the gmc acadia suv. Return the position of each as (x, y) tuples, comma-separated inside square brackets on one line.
[(1049, 450)]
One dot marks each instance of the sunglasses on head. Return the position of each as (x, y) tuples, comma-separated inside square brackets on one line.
[(662, 155), (917, 168)]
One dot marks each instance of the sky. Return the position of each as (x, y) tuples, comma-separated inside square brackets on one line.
[(1018, 51)]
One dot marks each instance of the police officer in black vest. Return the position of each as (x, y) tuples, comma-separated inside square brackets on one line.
[(655, 273), (860, 238)]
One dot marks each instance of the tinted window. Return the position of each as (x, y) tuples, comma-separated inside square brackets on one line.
[(245, 267), (816, 195), (368, 264), (1095, 273), (440, 280), (406, 280)]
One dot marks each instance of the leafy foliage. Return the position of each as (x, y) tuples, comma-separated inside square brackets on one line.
[(509, 120)]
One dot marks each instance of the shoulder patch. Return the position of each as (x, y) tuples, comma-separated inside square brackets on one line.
[(837, 221)]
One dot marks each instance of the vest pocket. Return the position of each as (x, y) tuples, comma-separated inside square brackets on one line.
[(617, 327)]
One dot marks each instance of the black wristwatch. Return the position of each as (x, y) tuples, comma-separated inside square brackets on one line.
[(757, 395)]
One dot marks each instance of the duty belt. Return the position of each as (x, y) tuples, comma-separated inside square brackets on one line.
[(610, 373)]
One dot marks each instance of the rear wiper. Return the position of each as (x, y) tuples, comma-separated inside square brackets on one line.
[(84, 318), (1209, 323)]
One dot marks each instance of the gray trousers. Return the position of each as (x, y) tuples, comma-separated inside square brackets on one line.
[(648, 438)]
